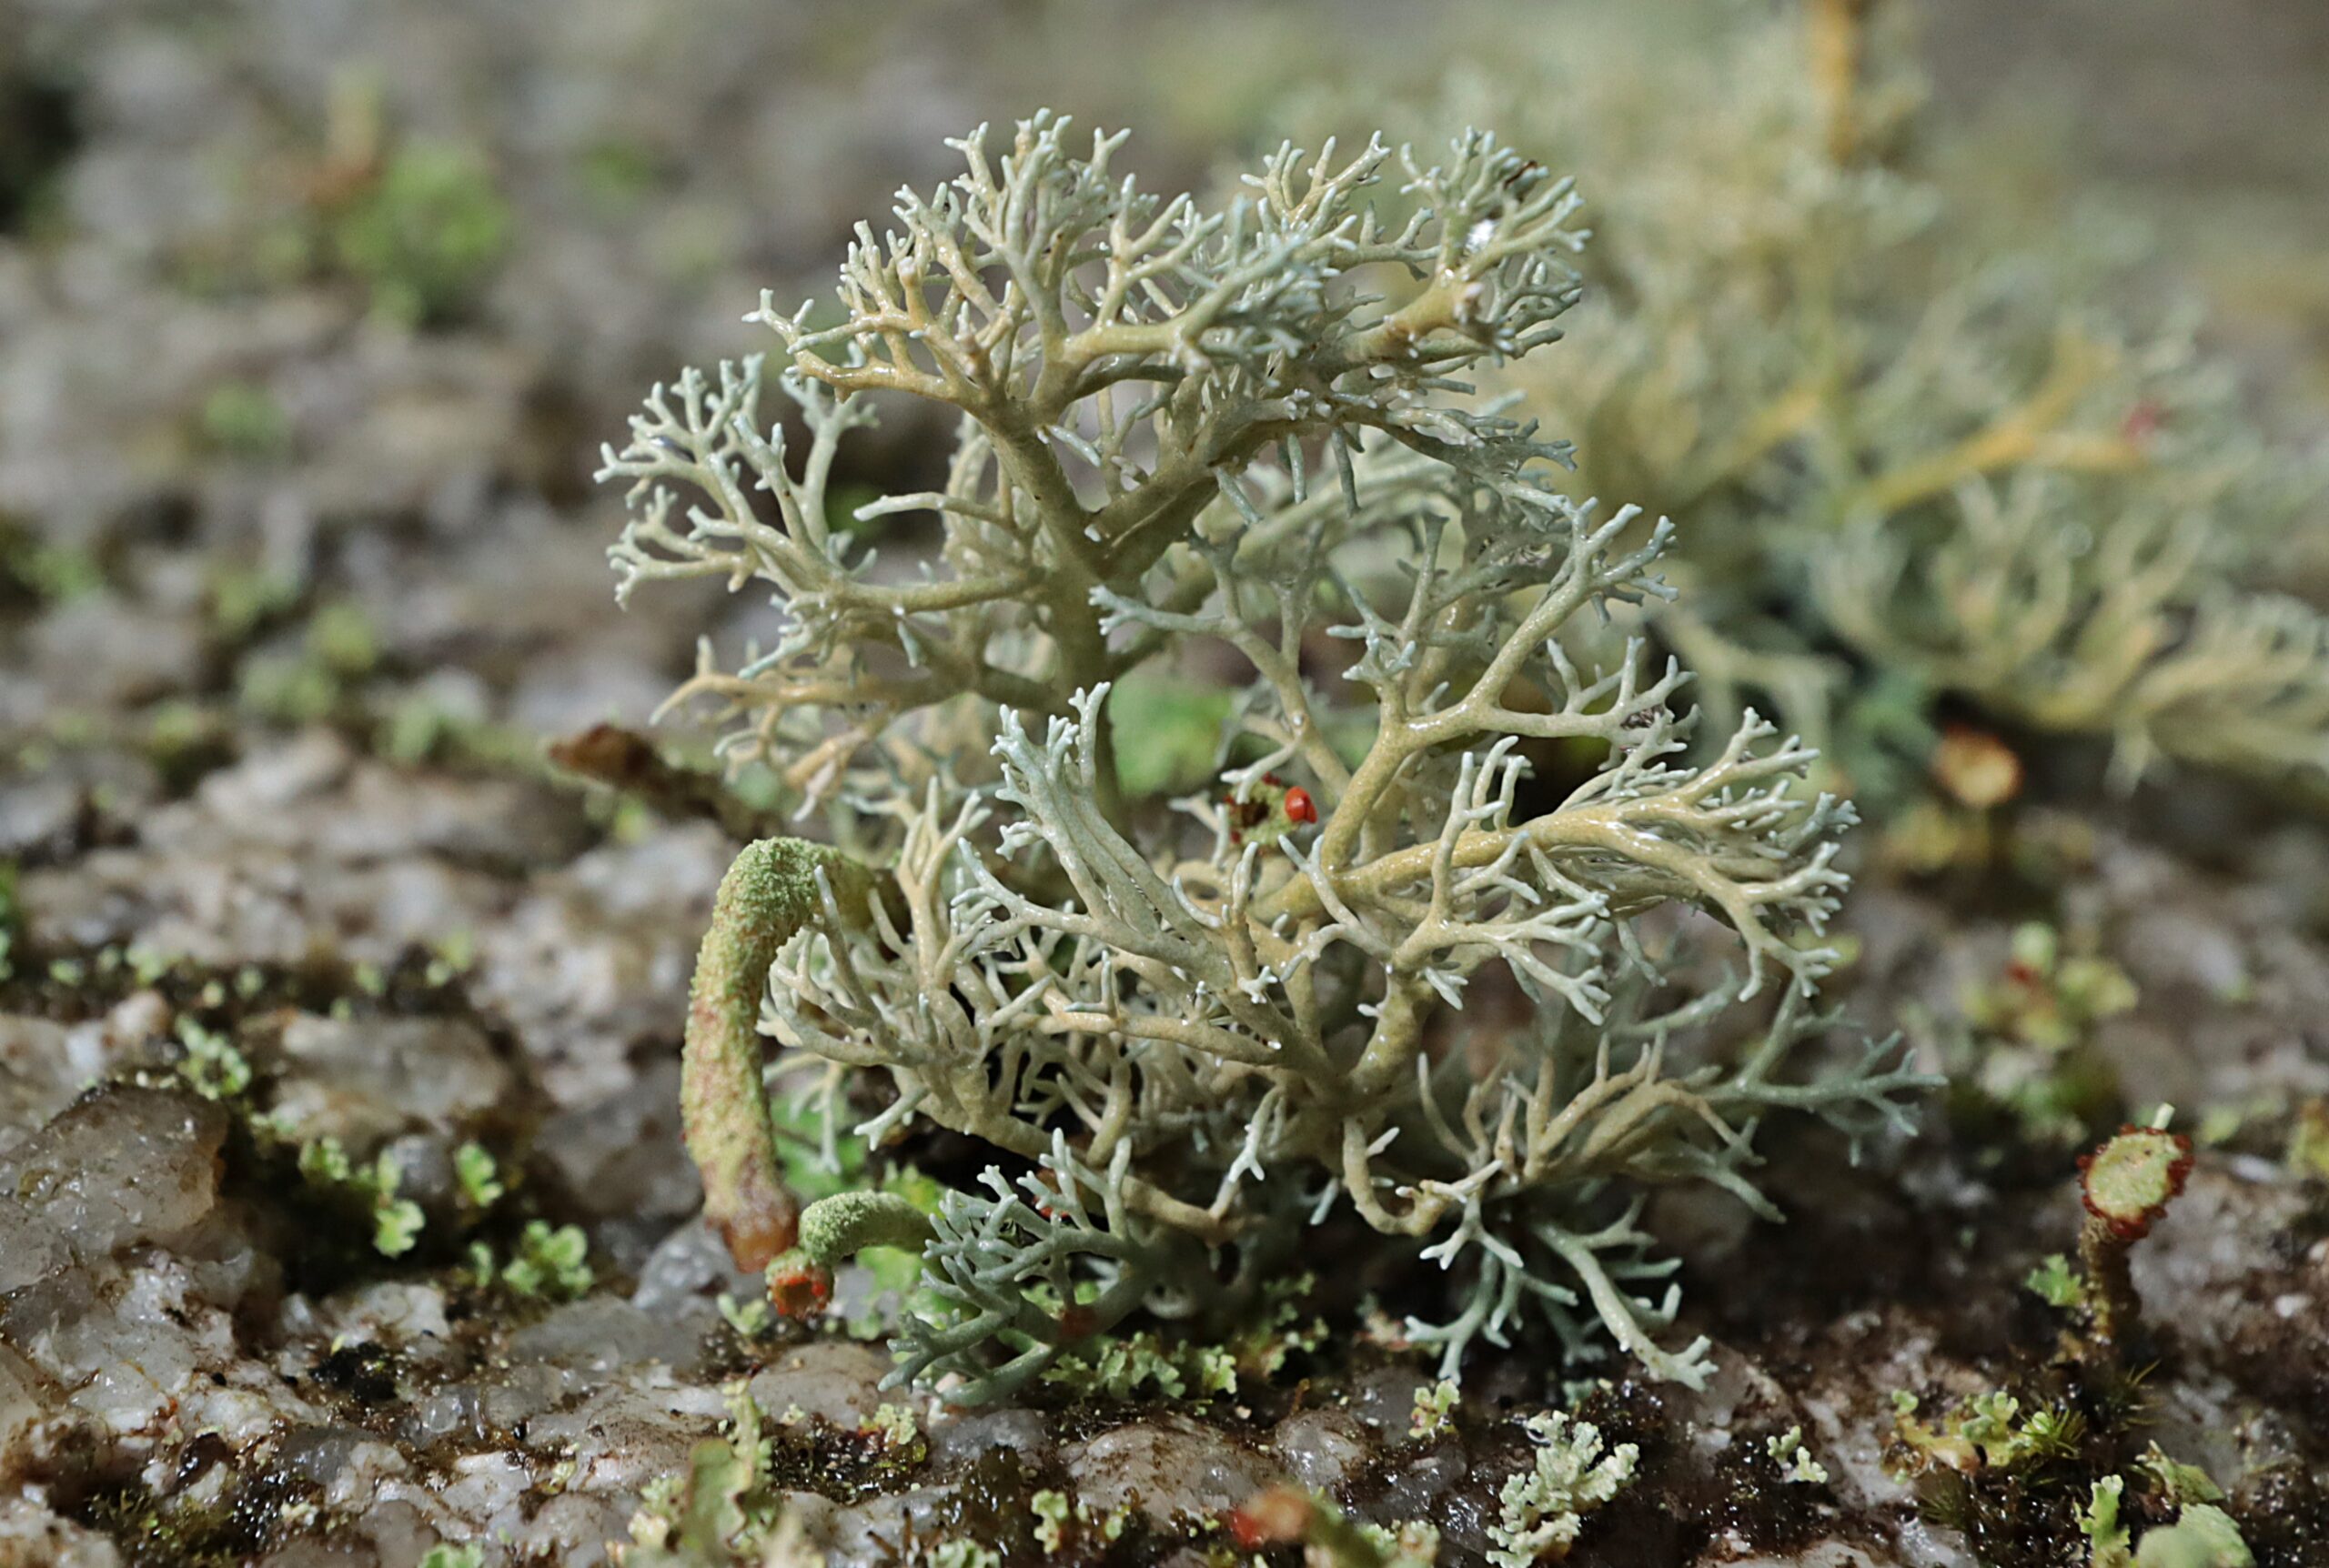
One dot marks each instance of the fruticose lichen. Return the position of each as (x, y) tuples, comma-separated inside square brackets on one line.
[(1189, 1029), (1924, 464), (1543, 1508)]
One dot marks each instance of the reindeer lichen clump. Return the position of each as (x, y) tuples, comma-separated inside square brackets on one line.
[(1190, 1029), (1924, 464)]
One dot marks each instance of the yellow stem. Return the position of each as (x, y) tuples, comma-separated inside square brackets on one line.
[(1835, 44)]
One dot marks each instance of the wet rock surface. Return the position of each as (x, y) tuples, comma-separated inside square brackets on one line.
[(159, 1307)]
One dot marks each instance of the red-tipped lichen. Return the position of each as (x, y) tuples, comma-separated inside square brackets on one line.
[(2127, 1183)]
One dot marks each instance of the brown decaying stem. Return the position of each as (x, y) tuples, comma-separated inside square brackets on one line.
[(2111, 1300), (627, 760)]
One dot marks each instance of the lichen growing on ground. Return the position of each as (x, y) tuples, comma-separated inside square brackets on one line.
[(1194, 1031), (1923, 463)]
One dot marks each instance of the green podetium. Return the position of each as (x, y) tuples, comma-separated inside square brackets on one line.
[(1189, 1030), (774, 892)]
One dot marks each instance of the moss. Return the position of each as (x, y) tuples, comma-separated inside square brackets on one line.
[(845, 1463), (247, 1518), (2033, 1475), (242, 419), (43, 570), (2025, 1069), (424, 235), (1116, 1368), (366, 1372), (1029, 1517), (353, 1222), (212, 1065)]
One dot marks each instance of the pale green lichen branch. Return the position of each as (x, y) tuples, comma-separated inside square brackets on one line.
[(1542, 1510), (1193, 1028)]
